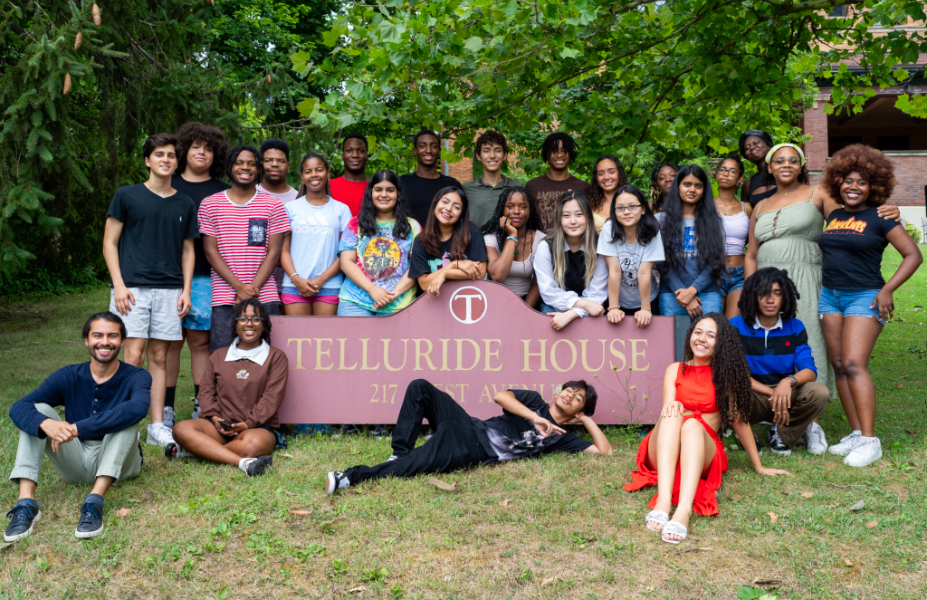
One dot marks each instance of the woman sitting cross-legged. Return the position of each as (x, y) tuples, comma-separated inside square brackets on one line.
[(683, 455), (241, 390)]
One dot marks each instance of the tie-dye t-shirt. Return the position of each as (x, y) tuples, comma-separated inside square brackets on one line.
[(383, 258)]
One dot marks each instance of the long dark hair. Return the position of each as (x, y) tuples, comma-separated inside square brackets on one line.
[(367, 217), (259, 309), (430, 237), (302, 186), (647, 228), (730, 373), (656, 196), (596, 195), (709, 230), (760, 284), (491, 227)]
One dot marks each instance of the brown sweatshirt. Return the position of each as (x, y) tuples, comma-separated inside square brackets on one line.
[(242, 390)]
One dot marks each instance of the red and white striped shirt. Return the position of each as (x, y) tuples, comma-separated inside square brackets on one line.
[(242, 232)]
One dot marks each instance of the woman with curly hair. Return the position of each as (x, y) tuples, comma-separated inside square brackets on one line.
[(683, 455), (784, 231), (855, 299), (243, 387), (661, 182), (608, 175), (512, 236)]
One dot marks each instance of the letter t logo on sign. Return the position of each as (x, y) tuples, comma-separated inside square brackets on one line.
[(468, 305)]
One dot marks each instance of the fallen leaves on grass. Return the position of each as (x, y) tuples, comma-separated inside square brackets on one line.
[(149, 496), (5, 545), (123, 512), (773, 517), (289, 493), (872, 524), (505, 503), (903, 377), (549, 580), (899, 386), (285, 454), (357, 590), (301, 513), (686, 551), (848, 562), (441, 485), (807, 494), (767, 583), (858, 506)]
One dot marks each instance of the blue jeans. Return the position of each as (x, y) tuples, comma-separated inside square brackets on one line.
[(849, 303), (546, 308), (733, 280), (669, 307), (347, 308)]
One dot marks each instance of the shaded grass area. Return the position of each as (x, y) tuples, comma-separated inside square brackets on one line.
[(557, 527)]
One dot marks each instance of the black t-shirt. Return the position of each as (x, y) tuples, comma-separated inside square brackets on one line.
[(852, 244), (421, 263), (197, 192), (153, 232), (511, 436), (756, 182), (420, 192)]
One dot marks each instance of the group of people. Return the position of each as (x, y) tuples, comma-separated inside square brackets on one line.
[(194, 259)]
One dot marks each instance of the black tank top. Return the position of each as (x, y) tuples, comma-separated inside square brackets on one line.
[(756, 182)]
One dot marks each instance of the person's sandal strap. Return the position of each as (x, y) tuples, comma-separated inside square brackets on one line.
[(657, 516), (674, 528)]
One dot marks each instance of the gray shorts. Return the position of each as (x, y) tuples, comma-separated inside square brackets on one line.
[(154, 315)]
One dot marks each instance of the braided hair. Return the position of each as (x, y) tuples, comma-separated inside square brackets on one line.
[(259, 309), (730, 373), (761, 284), (491, 227)]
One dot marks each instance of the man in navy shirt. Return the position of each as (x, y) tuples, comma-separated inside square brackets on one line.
[(527, 426), (782, 369), (104, 400)]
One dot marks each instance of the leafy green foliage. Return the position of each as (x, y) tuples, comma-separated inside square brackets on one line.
[(641, 78)]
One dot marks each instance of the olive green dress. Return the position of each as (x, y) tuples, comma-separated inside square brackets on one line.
[(788, 239)]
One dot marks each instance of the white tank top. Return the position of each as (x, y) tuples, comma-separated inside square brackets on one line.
[(736, 230)]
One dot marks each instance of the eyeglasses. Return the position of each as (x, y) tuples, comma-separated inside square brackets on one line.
[(630, 208), (728, 172), (792, 160), (243, 320), (275, 161)]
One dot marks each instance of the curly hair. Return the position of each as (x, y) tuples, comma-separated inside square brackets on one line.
[(875, 167), (730, 373), (317, 155), (553, 142), (239, 309), (656, 196), (596, 195), (491, 227), (232, 156), (190, 133), (761, 284), (490, 136)]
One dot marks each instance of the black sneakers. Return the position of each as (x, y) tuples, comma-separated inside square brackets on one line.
[(776, 444), (91, 521), (258, 466), (22, 519)]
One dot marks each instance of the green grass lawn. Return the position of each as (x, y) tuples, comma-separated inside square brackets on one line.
[(558, 527)]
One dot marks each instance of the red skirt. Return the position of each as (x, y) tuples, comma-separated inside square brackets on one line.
[(705, 502)]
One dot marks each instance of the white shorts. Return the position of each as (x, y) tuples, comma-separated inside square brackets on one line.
[(154, 315)]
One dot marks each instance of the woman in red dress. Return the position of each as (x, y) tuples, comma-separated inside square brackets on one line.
[(683, 455)]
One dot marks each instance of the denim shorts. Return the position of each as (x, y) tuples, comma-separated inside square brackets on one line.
[(849, 303), (349, 309), (733, 280), (200, 315), (669, 307)]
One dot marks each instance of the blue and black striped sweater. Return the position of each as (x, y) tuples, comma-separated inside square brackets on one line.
[(775, 355)]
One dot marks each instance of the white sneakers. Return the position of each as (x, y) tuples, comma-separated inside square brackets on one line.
[(866, 451), (845, 446), (159, 435), (817, 443)]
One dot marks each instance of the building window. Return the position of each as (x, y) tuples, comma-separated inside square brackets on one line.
[(838, 11), (893, 142), (835, 144)]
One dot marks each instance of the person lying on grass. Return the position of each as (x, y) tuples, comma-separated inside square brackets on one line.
[(104, 400), (241, 390), (526, 427), (683, 455)]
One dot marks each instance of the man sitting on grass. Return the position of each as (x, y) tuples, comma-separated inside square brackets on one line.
[(104, 400), (526, 427)]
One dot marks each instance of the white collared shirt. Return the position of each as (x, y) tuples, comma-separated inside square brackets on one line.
[(766, 330), (256, 355), (563, 300)]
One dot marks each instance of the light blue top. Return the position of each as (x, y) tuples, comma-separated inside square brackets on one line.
[(314, 237)]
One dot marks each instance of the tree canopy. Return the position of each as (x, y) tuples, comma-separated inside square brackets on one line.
[(635, 78)]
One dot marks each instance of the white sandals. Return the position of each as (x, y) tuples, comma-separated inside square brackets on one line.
[(657, 516), (674, 528)]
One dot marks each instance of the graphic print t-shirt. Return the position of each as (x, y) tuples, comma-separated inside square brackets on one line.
[(548, 192), (153, 232), (315, 233), (511, 436), (383, 258), (198, 191), (852, 244), (631, 256), (242, 232), (423, 263)]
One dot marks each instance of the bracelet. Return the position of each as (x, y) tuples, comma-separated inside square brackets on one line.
[(514, 239)]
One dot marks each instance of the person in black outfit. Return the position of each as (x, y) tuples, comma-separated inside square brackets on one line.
[(526, 427), (754, 144), (420, 187)]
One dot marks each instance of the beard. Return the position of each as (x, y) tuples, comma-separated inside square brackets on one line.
[(113, 356)]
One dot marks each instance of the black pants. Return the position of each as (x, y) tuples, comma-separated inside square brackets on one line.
[(454, 445), (222, 330)]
